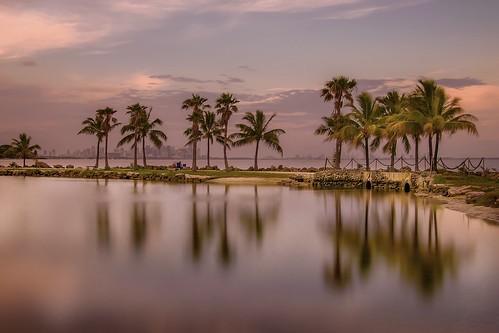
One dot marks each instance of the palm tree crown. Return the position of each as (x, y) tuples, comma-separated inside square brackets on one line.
[(211, 131), (441, 113), (338, 89), (364, 123), (198, 105), (226, 106), (94, 126), (137, 113), (109, 122), (257, 130), (22, 148)]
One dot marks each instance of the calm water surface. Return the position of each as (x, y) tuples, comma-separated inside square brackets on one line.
[(122, 256)]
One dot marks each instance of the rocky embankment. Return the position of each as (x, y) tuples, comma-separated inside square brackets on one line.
[(381, 180), (100, 174)]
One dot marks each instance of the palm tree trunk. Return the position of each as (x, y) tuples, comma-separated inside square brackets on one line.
[(256, 155), (337, 154), (392, 158), (135, 152), (416, 153), (208, 152), (144, 151), (97, 159), (225, 148), (366, 143), (435, 156), (24, 161), (194, 153), (105, 152), (430, 150)]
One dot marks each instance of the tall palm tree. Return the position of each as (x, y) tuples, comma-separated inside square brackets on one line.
[(198, 105), (257, 130), (137, 113), (147, 131), (94, 126), (211, 131), (22, 148), (364, 123), (339, 89), (392, 105), (331, 127), (410, 122), (443, 114), (109, 123), (226, 106)]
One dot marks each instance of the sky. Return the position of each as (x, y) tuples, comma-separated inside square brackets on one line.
[(61, 60)]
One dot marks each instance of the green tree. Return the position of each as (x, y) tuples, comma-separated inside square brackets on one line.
[(147, 131), (257, 130), (109, 123), (94, 126), (197, 105), (211, 131), (22, 148), (392, 105), (443, 114), (410, 121), (339, 90), (226, 106), (364, 123), (137, 113)]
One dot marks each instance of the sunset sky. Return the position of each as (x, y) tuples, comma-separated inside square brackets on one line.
[(62, 60)]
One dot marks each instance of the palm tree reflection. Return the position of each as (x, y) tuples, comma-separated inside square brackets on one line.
[(423, 263), (212, 222), (337, 276), (139, 222), (103, 226)]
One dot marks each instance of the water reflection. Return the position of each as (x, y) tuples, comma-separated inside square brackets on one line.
[(103, 225), (363, 237), (214, 214)]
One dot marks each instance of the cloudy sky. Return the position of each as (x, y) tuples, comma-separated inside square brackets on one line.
[(60, 60)]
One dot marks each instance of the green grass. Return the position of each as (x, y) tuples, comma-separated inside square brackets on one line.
[(456, 179), (210, 173)]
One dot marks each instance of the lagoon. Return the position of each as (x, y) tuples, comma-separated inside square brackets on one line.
[(128, 256)]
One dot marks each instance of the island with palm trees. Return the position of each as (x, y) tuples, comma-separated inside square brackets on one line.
[(361, 120)]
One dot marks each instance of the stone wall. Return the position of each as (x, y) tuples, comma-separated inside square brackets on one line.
[(348, 179)]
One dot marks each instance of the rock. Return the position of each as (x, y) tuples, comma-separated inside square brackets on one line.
[(58, 166), (472, 197), (454, 191), (405, 169), (40, 164), (70, 166)]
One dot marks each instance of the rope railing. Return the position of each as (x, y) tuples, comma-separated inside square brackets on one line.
[(466, 165)]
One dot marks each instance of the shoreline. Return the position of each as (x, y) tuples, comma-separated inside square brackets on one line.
[(294, 179)]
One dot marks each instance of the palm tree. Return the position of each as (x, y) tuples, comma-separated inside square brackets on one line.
[(109, 123), (94, 126), (211, 130), (443, 114), (147, 131), (198, 106), (137, 113), (410, 122), (226, 106), (331, 128), (21, 148), (392, 105), (364, 123), (338, 89), (256, 131)]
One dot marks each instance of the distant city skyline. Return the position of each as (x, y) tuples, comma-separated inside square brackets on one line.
[(62, 60)]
